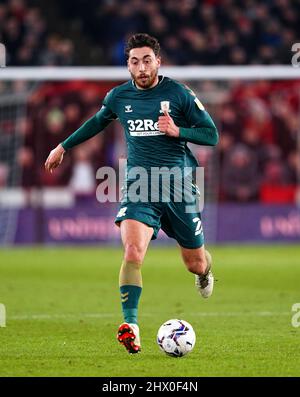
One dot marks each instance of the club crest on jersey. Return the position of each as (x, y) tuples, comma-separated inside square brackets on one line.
[(165, 107), (128, 109)]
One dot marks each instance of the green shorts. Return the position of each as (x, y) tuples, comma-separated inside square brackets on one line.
[(171, 217)]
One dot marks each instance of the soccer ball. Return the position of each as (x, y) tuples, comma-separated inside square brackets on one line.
[(176, 338)]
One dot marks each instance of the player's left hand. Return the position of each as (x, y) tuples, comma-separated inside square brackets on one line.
[(167, 125)]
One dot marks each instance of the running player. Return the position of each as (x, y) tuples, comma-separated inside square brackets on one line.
[(159, 116)]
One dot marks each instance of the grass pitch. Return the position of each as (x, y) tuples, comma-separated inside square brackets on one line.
[(63, 311)]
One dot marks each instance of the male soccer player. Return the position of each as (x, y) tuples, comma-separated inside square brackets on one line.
[(159, 117)]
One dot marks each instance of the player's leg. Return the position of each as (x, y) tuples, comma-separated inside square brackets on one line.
[(135, 238), (186, 228), (199, 262)]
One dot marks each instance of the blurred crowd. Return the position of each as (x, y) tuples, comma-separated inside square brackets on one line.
[(258, 154), (259, 148), (257, 157), (206, 32), (53, 112), (29, 37)]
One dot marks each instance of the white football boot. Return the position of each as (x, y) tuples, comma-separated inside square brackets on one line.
[(205, 282)]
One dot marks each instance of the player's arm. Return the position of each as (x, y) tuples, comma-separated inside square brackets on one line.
[(89, 129), (202, 131)]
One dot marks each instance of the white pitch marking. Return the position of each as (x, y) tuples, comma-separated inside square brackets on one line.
[(109, 315)]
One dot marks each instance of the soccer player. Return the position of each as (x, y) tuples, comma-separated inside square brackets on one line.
[(159, 116)]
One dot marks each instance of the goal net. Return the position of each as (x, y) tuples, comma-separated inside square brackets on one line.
[(13, 119), (256, 109)]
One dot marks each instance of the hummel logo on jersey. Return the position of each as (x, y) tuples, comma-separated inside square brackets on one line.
[(128, 109)]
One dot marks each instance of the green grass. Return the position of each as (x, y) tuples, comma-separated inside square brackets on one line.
[(63, 311)]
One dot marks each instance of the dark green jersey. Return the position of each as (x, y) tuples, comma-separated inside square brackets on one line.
[(138, 111), (153, 201)]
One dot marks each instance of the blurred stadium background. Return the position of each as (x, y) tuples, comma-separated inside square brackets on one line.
[(254, 173), (62, 57)]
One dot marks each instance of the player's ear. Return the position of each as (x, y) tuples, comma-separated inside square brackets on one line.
[(158, 60)]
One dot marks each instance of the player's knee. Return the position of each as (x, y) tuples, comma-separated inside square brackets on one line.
[(133, 254), (196, 265)]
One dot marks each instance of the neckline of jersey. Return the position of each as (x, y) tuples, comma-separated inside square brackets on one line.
[(160, 80)]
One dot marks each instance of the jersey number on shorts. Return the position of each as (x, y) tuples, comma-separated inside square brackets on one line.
[(198, 226)]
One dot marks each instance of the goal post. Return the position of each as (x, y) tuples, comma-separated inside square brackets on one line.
[(116, 73)]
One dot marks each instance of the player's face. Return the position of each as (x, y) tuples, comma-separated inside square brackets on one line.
[(143, 66)]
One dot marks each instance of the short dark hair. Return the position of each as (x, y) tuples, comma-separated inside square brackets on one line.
[(139, 40)]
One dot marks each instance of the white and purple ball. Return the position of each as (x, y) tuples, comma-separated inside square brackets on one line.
[(176, 338)]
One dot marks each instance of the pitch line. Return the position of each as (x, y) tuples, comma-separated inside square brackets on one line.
[(110, 315)]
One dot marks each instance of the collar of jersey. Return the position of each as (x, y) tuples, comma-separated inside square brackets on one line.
[(160, 79)]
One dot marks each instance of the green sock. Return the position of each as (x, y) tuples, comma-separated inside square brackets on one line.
[(130, 295)]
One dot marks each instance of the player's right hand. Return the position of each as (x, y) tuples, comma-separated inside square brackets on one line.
[(167, 125), (55, 158)]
